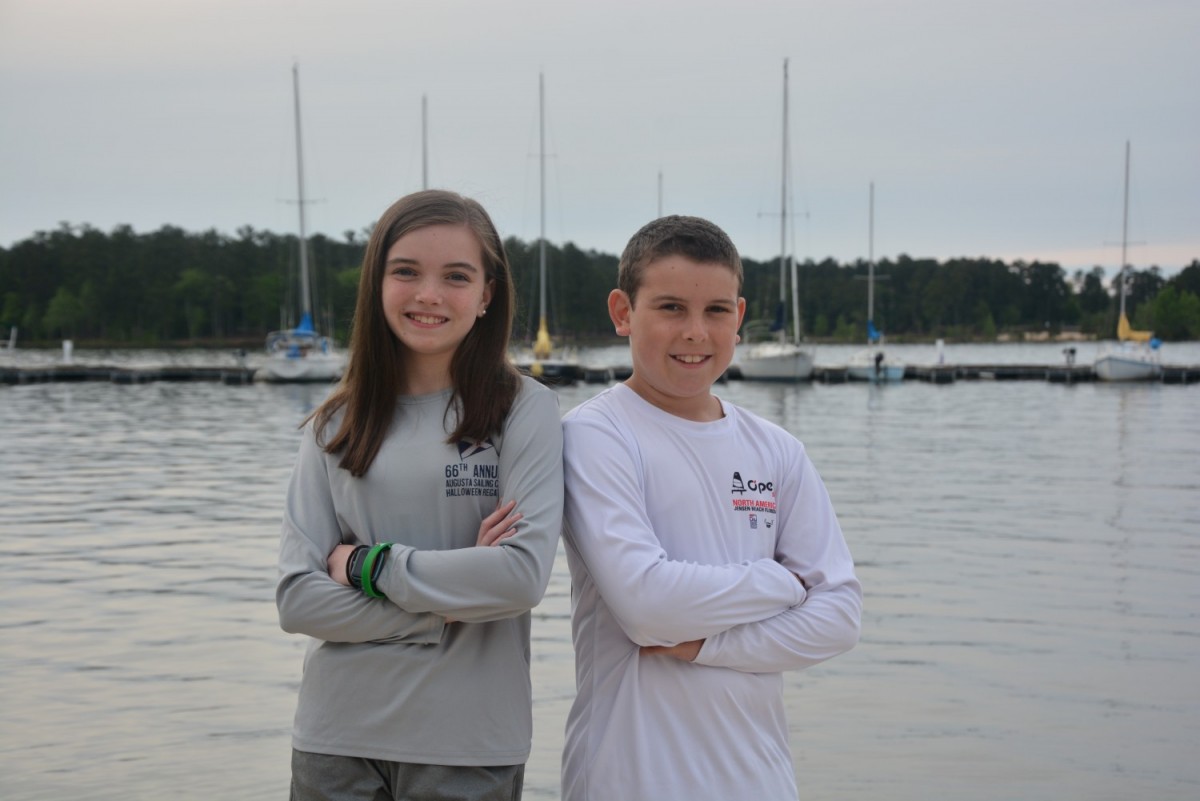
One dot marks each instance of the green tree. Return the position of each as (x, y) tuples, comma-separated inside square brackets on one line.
[(10, 312), (64, 313), (985, 324), (1188, 279), (193, 286), (1176, 315), (1142, 287), (1046, 294), (1092, 295)]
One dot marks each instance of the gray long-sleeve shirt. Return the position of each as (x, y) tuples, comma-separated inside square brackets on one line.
[(388, 679)]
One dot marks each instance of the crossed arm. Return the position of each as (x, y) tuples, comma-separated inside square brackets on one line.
[(798, 607), (493, 530), (503, 575)]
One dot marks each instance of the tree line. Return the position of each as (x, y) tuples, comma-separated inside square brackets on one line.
[(170, 287)]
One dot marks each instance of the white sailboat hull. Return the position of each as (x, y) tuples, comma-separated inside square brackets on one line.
[(314, 367), (862, 366), (1123, 363), (776, 361)]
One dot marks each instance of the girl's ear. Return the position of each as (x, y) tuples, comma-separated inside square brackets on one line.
[(488, 289), (619, 309)]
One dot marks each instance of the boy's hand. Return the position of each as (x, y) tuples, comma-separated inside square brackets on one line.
[(499, 525), (684, 651)]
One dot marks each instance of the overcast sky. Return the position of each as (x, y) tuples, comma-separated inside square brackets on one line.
[(991, 129)]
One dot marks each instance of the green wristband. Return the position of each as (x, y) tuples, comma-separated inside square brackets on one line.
[(368, 569)]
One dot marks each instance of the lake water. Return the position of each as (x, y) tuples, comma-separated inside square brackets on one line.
[(1030, 555)]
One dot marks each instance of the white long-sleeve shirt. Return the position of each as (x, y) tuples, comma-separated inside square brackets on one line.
[(678, 531)]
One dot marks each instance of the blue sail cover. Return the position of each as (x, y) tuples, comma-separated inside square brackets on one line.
[(873, 334), (780, 317), (298, 342)]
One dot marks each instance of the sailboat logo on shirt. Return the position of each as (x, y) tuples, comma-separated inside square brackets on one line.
[(754, 496), (468, 448), (761, 487), (479, 477)]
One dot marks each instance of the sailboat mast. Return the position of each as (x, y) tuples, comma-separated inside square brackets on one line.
[(787, 185), (424, 142), (305, 293), (542, 202), (783, 209), (1124, 231), (871, 259), (542, 347)]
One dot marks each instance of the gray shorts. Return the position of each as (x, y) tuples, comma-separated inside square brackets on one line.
[(321, 777)]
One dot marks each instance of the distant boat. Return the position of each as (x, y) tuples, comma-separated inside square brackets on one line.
[(544, 363), (784, 359), (301, 354), (873, 363), (1134, 356)]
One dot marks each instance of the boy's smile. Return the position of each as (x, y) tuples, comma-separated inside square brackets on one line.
[(682, 328)]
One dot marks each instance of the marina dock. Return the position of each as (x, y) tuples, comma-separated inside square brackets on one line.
[(567, 374), (123, 375)]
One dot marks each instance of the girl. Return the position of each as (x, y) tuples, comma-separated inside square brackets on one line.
[(421, 524)]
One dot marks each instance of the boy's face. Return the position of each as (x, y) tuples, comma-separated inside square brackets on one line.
[(682, 332)]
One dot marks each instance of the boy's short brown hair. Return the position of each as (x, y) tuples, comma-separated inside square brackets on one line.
[(676, 235)]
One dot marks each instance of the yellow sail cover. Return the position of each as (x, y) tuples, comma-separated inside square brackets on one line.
[(542, 346), (1126, 333)]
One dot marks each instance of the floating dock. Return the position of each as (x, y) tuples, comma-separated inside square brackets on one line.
[(123, 375), (568, 374)]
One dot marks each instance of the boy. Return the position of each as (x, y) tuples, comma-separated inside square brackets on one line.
[(704, 552)]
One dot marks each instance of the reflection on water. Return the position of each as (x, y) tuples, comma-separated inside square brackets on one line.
[(1029, 554)]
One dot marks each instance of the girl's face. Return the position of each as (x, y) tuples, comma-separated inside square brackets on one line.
[(434, 289)]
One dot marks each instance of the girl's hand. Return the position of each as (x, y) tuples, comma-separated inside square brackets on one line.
[(337, 563), (499, 525)]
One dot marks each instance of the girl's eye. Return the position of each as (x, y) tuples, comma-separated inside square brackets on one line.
[(459, 277)]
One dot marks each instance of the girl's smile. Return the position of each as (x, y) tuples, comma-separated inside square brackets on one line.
[(435, 287)]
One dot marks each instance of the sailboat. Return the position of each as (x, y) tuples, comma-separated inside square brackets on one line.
[(546, 366), (301, 354), (873, 363), (1134, 356), (784, 359)]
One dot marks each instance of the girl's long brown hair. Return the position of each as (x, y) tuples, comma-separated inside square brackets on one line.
[(485, 382)]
